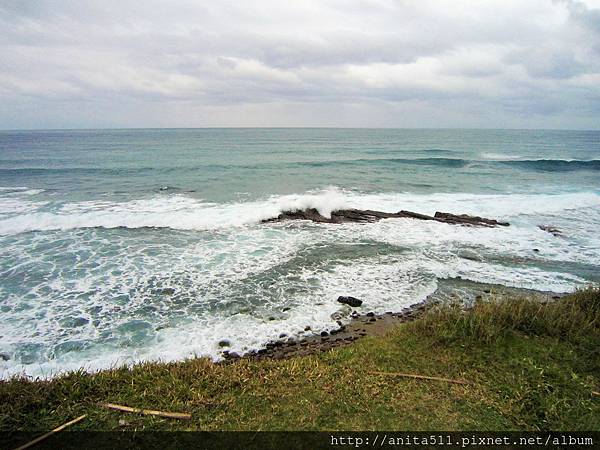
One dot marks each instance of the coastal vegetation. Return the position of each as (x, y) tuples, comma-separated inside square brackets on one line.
[(528, 365)]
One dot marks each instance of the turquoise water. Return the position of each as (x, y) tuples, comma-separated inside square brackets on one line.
[(124, 245)]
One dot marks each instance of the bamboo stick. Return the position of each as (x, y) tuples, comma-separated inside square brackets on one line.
[(420, 377), (595, 394), (50, 433), (150, 412)]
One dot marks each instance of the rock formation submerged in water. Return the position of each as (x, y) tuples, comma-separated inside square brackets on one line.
[(550, 229), (368, 216)]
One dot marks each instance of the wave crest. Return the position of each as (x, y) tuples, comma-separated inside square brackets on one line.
[(178, 211)]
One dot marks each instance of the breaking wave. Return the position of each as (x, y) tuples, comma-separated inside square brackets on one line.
[(178, 211)]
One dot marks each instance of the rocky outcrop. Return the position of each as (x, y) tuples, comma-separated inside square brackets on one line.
[(369, 216), (339, 216), (348, 300)]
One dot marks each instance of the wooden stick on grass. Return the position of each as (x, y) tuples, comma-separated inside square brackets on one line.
[(50, 433), (595, 394), (150, 412), (420, 377)]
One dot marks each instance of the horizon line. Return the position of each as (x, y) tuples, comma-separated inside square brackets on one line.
[(292, 127)]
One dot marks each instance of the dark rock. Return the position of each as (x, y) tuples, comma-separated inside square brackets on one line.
[(368, 216), (351, 301), (414, 215), (79, 322), (372, 319), (4, 357), (552, 230), (370, 314), (536, 250), (282, 335), (465, 219), (478, 298), (306, 214), (224, 343), (324, 333), (287, 308), (307, 328)]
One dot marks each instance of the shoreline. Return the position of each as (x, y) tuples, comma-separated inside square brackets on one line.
[(364, 324), (361, 325)]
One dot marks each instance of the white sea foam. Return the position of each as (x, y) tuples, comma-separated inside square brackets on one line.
[(15, 201), (500, 156), (176, 211), (384, 284), (90, 297), (186, 213), (19, 190)]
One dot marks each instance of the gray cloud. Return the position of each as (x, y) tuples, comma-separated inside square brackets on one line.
[(313, 62)]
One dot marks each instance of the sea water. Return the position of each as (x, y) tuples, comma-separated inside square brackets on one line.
[(118, 246)]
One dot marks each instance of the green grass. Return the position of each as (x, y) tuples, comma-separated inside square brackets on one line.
[(532, 366)]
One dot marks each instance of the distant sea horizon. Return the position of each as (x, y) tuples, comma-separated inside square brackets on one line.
[(116, 128)]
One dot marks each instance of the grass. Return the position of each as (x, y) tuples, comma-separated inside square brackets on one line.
[(533, 366)]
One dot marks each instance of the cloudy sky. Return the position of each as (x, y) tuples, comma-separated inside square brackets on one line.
[(348, 63)]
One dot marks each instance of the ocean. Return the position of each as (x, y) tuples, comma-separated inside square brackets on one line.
[(119, 246)]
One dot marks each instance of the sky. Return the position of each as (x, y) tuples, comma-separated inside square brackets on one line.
[(323, 63)]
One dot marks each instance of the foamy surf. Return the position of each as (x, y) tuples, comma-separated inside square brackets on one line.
[(187, 213), (106, 296)]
